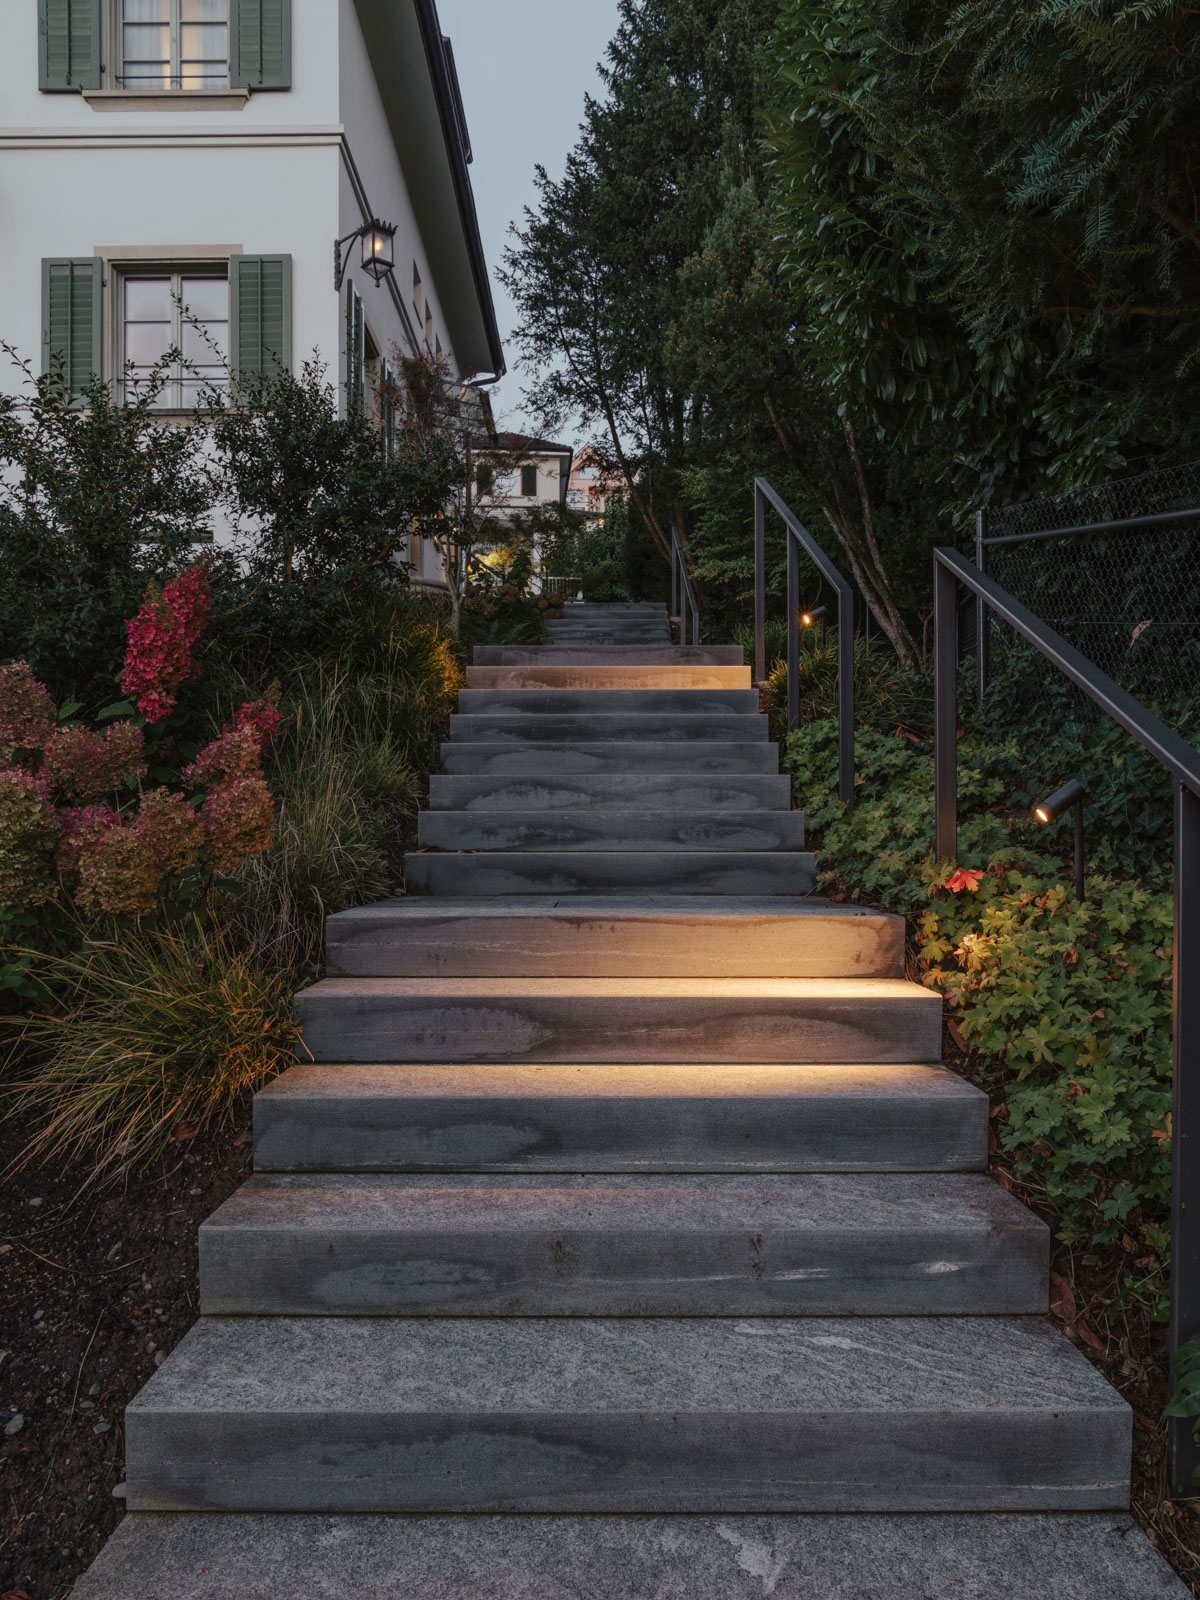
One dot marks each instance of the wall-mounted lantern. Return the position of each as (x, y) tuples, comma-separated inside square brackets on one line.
[(1071, 796), (378, 251)]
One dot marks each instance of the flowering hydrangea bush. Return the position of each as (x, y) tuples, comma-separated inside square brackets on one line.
[(74, 819), (163, 637)]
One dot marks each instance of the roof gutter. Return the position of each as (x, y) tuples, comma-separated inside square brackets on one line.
[(449, 101)]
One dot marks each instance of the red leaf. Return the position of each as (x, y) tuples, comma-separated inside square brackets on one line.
[(964, 878), (1062, 1298)]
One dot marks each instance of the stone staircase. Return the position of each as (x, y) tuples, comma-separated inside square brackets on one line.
[(625, 1231)]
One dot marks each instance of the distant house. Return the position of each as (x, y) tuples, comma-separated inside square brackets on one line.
[(515, 473), (593, 483), (176, 172)]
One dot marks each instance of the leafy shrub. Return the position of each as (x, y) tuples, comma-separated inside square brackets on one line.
[(499, 606), (143, 1038), (97, 500), (1070, 1003)]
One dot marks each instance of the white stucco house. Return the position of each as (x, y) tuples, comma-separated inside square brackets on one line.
[(209, 153)]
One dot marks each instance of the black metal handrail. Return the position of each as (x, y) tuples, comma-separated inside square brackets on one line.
[(683, 596), (1182, 761), (799, 538)]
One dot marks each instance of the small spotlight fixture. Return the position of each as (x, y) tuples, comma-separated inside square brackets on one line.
[(378, 251), (1069, 797), (812, 616)]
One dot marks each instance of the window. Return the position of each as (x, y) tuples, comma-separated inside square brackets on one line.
[(485, 480), (174, 44), (575, 499), (418, 301), (356, 350), (429, 328), (185, 312), (529, 482)]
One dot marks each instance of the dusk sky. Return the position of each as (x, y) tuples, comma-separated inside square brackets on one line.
[(525, 67)]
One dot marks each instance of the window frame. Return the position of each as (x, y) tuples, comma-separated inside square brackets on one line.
[(529, 474), (116, 54), (117, 276)]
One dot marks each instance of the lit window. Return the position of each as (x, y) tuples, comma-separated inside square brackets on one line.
[(186, 313), (174, 44)]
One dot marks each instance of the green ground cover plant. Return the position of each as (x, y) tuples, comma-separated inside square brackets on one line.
[(1067, 1005)]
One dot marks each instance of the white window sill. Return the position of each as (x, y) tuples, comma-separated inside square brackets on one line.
[(166, 99)]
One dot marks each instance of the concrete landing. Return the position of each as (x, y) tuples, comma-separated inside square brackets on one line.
[(626, 1415), (1013, 1557), (619, 1020), (635, 1118), (567, 936), (862, 1245)]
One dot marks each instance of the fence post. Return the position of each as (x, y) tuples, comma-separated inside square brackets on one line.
[(983, 621), (1182, 1454), (760, 585), (846, 697), (945, 720), (793, 632)]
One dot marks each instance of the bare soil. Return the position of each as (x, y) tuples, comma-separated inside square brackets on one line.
[(95, 1290)]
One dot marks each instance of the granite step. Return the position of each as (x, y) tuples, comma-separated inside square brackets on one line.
[(482, 874), (1082, 1556), (642, 936), (650, 791), (610, 636), (570, 1415), (710, 1246), (590, 703), (603, 727), (667, 655), (613, 756), (607, 831), (629, 1020), (727, 1117), (598, 677)]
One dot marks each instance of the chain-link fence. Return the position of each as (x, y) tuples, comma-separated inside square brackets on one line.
[(1127, 597)]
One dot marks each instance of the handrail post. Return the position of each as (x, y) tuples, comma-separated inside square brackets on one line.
[(793, 632), (1182, 1453), (983, 620), (945, 721), (846, 697), (676, 609), (760, 585)]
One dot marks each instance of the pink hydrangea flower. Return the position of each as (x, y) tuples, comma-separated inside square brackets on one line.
[(170, 829), (263, 715), (83, 828), (236, 755), (161, 653), (28, 831), (118, 875), (238, 822), (27, 714), (83, 766)]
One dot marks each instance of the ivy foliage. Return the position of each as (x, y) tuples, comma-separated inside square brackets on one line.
[(1070, 1001), (990, 219)]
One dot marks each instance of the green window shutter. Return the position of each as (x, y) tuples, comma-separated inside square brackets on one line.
[(68, 45), (355, 350), (72, 320), (260, 302), (260, 33)]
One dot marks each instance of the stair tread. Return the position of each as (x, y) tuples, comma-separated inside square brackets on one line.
[(582, 756), (669, 1082), (848, 990), (1021, 1556), (606, 908), (501, 1366), (940, 1205), (613, 828)]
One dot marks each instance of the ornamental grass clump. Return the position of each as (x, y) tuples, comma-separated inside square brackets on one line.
[(148, 1038)]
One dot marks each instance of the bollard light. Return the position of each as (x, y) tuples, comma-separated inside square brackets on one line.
[(1069, 798)]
